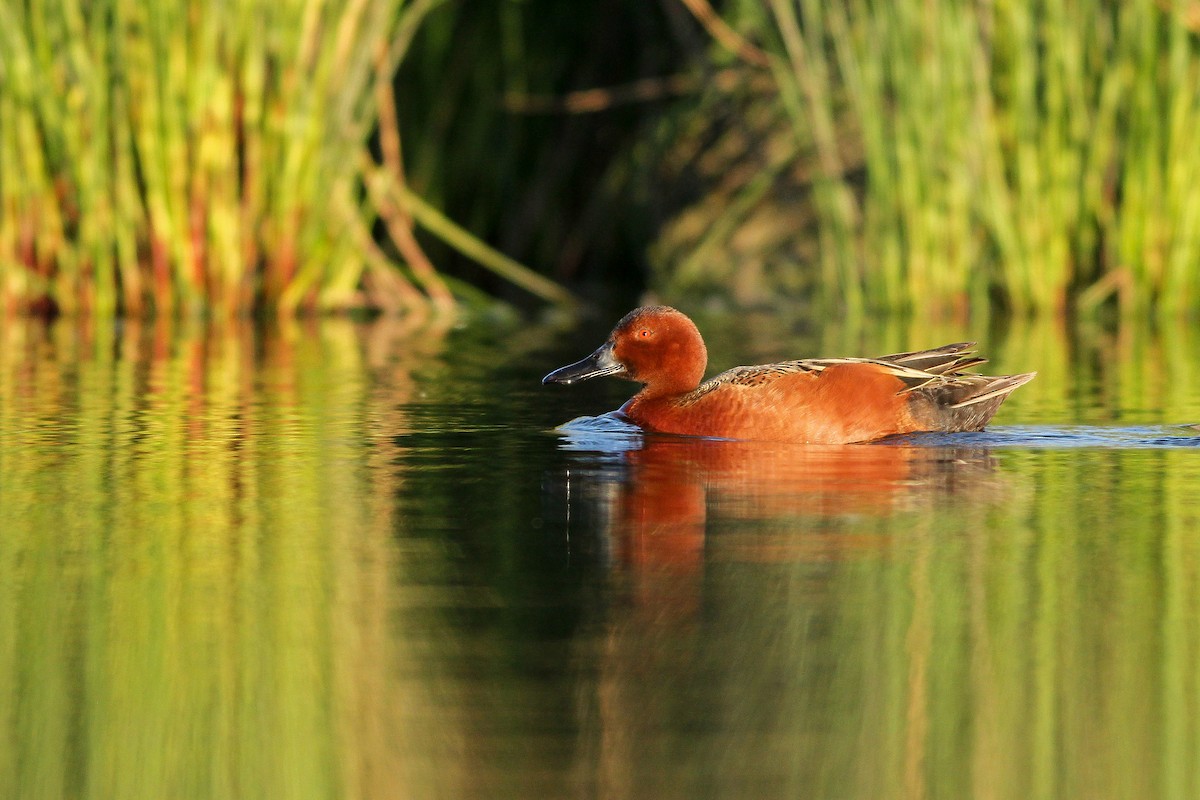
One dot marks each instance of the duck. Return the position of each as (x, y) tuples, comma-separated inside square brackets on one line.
[(809, 400)]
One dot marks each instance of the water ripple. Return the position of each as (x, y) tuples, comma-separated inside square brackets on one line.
[(612, 432)]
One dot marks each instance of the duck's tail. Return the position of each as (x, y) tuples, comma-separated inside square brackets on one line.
[(963, 402)]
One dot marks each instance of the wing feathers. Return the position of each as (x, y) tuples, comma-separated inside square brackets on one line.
[(940, 370)]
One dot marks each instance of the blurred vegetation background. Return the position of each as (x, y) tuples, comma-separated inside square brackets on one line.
[(950, 157)]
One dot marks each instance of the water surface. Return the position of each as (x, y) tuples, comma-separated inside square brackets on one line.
[(340, 560)]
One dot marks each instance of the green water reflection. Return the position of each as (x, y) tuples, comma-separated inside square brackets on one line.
[(339, 560), (193, 568)]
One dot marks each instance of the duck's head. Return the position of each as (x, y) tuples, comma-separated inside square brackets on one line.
[(654, 345)]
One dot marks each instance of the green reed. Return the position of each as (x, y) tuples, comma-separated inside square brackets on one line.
[(172, 156), (1039, 148)]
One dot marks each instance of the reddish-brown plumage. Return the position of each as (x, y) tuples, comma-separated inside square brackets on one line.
[(830, 401)]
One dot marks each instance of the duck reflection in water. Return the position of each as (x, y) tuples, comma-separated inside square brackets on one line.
[(675, 503)]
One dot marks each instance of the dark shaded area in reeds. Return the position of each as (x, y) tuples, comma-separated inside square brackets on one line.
[(518, 118)]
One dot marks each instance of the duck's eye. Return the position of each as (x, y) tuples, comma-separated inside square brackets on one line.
[(645, 333)]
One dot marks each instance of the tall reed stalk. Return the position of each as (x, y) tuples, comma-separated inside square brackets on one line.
[(179, 156), (1036, 147)]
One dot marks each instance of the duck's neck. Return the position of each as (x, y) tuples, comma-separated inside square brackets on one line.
[(652, 396), (662, 390)]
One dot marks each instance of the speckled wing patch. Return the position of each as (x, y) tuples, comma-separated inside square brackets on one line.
[(747, 376), (918, 369)]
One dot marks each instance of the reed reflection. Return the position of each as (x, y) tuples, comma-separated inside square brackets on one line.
[(198, 558)]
